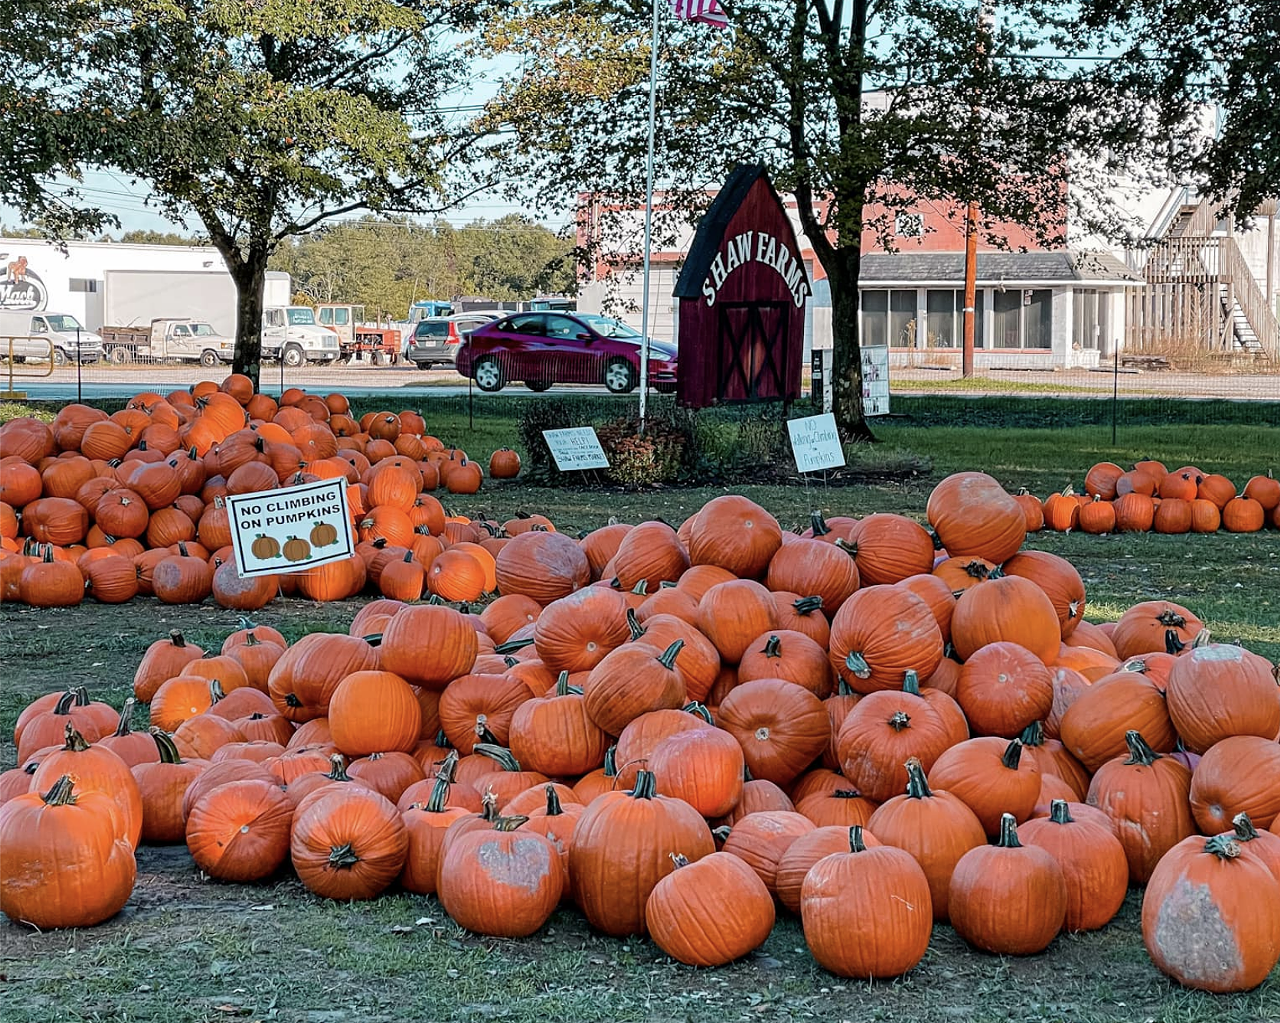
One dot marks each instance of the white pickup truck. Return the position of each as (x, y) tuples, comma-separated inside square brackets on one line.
[(168, 339)]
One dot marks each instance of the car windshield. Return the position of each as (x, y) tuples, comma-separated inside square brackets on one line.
[(608, 326), (429, 328), (58, 322), (202, 330), (300, 316)]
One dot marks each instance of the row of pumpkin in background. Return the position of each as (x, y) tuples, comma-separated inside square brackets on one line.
[(133, 503), (790, 720), (1150, 497)]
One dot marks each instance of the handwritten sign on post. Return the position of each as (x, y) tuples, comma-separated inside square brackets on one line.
[(276, 531), (815, 442), (576, 448)]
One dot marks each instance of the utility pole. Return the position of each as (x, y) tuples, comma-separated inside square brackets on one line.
[(1271, 256), (971, 223)]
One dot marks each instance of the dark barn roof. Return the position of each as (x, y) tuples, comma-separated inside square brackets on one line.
[(714, 224)]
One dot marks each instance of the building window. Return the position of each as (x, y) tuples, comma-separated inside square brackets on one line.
[(875, 318), (83, 286), (889, 317), (908, 225), (944, 322), (1091, 318), (1023, 318)]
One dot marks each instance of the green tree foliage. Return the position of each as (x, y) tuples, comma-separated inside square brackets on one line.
[(859, 108), (386, 265), (268, 117), (1193, 58)]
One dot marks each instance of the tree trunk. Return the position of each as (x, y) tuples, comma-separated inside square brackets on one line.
[(250, 279), (846, 372)]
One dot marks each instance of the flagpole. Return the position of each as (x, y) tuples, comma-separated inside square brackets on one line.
[(648, 219)]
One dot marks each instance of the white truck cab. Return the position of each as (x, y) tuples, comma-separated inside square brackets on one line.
[(31, 330), (177, 338), (292, 334)]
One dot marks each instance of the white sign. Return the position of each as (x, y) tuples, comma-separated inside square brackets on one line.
[(576, 448), (875, 380), (815, 442), (276, 531)]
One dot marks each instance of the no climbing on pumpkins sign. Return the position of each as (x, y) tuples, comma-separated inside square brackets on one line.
[(276, 531)]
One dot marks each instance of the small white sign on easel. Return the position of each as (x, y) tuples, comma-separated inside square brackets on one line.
[(292, 528), (576, 448), (815, 442)]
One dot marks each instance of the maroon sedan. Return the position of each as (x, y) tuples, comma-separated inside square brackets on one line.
[(543, 348)]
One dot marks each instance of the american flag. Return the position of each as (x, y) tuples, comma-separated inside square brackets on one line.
[(706, 11)]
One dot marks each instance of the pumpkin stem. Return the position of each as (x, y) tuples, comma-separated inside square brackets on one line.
[(856, 844), (1171, 619), (1008, 833), (61, 793), (611, 762), (1202, 639), (75, 741), (215, 691), (911, 683), (1060, 812), (679, 859), (482, 731), (168, 748), (553, 802), (819, 524), (846, 794), (721, 834), (448, 767), (252, 640), (850, 549), (489, 805), (436, 599), (641, 589), (291, 700), (176, 638), (1012, 755), (899, 721), (807, 605), (494, 752), (843, 688), (125, 713), (562, 684), (510, 823), (772, 647), (633, 623), (1225, 847), (700, 709), (509, 661), (1172, 644), (338, 768), (342, 856), (858, 665), (512, 646), (666, 584), (439, 798), (1244, 829), (668, 658), (1139, 751), (917, 783), (645, 786), (65, 702), (442, 740), (1033, 734)]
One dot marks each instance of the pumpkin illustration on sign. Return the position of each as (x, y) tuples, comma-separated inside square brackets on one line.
[(324, 534), (296, 549), (265, 547)]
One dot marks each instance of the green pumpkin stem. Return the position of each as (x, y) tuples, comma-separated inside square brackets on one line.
[(679, 859), (850, 549), (512, 646), (512, 823), (169, 753), (668, 658), (856, 844), (1033, 735), (439, 798), (900, 720), (641, 589), (721, 834), (1244, 829), (509, 661), (917, 783), (772, 647), (1012, 755), (126, 712), (215, 691), (1060, 812), (807, 605), (562, 684), (857, 665), (843, 688), (338, 768), (489, 805), (1008, 833), (447, 768), (911, 683), (1225, 847), (61, 794), (1139, 751), (503, 757), (846, 794), (65, 702), (819, 524), (645, 786), (1172, 644), (74, 740), (633, 623), (700, 709), (611, 762), (342, 857), (482, 731), (177, 638), (553, 802), (373, 639)]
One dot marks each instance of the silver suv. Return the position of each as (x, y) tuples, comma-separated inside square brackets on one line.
[(436, 339)]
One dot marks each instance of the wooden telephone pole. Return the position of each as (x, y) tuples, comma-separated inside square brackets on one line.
[(971, 228)]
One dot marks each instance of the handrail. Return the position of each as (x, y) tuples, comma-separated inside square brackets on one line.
[(11, 393), (1257, 312), (1202, 222)]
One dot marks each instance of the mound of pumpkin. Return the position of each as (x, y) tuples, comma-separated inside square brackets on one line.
[(1150, 497), (822, 725), (132, 503)]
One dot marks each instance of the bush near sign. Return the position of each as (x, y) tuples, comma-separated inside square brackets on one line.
[(286, 530)]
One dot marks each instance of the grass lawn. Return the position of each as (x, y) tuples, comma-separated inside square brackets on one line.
[(188, 949)]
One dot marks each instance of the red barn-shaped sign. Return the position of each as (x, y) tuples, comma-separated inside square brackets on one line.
[(742, 292)]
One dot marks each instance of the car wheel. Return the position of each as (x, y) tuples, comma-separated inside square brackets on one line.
[(120, 356), (538, 385), (488, 375), (209, 358), (293, 356), (620, 377), (60, 357)]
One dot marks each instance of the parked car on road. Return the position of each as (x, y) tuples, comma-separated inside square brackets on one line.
[(542, 349), (436, 340)]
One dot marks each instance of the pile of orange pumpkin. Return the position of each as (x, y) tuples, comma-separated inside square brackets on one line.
[(1149, 497), (684, 732), (133, 503)]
